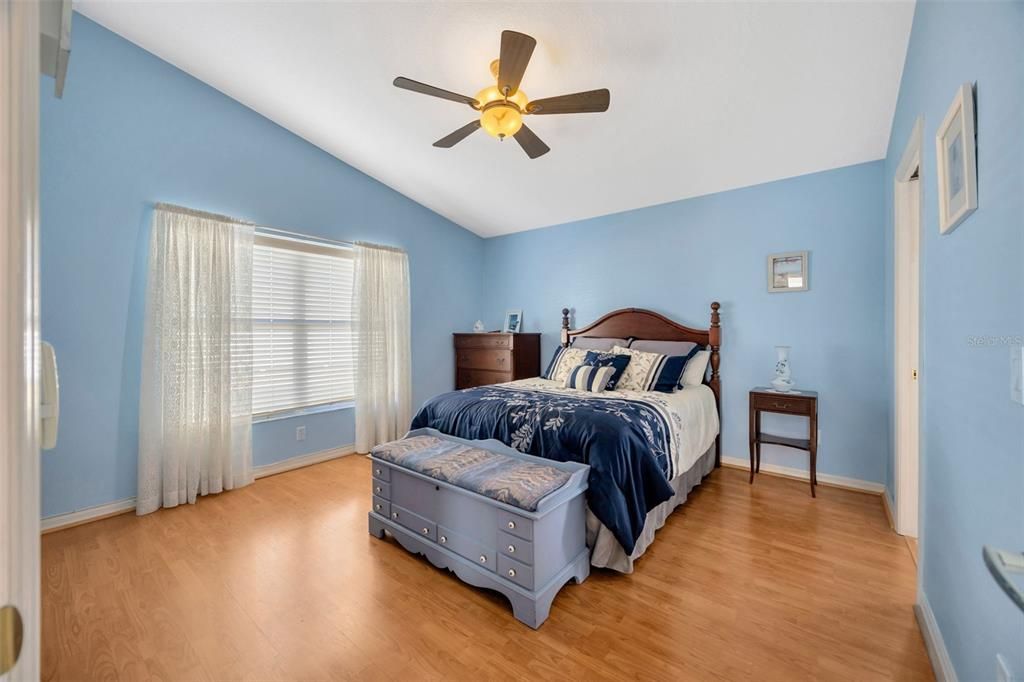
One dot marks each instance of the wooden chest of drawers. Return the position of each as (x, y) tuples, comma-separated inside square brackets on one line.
[(482, 359)]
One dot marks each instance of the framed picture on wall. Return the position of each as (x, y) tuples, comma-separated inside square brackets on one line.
[(513, 321), (957, 166), (788, 272)]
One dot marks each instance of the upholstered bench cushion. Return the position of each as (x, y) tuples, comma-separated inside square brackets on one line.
[(491, 474)]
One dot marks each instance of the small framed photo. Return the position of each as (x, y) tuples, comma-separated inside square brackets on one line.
[(957, 165), (513, 321), (788, 272)]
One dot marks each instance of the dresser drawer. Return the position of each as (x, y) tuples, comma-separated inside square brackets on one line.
[(517, 548), (423, 527), (466, 548), (483, 341), (381, 489), (515, 525), (520, 574), (789, 404), (382, 507), (484, 358), (381, 472), (470, 378)]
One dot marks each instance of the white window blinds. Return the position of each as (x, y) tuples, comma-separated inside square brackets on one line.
[(302, 325)]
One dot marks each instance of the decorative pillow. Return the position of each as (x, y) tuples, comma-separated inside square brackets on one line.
[(672, 369), (590, 378), (563, 361), (597, 343), (696, 368), (664, 347), (617, 362), (641, 371)]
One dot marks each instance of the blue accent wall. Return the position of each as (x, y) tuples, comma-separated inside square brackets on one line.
[(676, 258), (132, 130), (972, 434)]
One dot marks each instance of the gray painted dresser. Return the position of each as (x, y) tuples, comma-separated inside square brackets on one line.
[(525, 555)]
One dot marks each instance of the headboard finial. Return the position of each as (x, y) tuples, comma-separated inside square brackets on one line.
[(565, 327)]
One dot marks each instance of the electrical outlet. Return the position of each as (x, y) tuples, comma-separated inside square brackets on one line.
[(300, 433), (1003, 670)]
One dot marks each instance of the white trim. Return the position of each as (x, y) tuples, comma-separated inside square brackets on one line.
[(803, 475), (888, 504), (76, 518), (303, 461), (942, 664), (906, 333)]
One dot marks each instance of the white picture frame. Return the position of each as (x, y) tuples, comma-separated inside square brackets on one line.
[(513, 321), (788, 272), (956, 161)]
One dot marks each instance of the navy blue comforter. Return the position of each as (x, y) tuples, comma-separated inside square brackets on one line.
[(625, 442)]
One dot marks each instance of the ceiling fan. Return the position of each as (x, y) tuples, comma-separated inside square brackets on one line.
[(502, 106)]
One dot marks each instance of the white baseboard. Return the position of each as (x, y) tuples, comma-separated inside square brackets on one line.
[(803, 475), (889, 506), (942, 664), (303, 461), (77, 518), (102, 511)]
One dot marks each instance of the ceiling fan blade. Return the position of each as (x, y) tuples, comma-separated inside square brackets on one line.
[(516, 49), (531, 144), (424, 89), (577, 103), (459, 135)]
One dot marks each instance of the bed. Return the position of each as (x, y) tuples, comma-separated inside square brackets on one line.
[(647, 450)]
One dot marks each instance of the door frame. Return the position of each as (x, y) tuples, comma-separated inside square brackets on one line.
[(908, 204), (19, 324)]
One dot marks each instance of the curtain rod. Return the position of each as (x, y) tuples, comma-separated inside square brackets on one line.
[(174, 208)]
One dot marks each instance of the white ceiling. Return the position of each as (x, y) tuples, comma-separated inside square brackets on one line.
[(705, 96)]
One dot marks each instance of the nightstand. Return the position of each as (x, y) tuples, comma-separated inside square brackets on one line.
[(800, 403)]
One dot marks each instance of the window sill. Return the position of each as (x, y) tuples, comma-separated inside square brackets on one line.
[(304, 411)]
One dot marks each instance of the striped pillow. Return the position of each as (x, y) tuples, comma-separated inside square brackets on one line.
[(589, 378)]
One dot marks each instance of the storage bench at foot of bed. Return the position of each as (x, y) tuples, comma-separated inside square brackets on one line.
[(528, 556)]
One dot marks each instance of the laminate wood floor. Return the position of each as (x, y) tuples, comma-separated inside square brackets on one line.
[(280, 580)]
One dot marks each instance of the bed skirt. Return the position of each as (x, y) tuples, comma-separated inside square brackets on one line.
[(605, 550)]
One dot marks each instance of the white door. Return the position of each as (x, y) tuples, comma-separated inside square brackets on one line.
[(19, 341), (907, 282)]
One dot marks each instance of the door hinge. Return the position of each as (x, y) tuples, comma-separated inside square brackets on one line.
[(914, 374), (11, 633)]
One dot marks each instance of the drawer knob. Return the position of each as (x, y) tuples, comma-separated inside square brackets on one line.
[(511, 573), (511, 525), (426, 531), (377, 471), (378, 507), (511, 549), (483, 559), (394, 515), (378, 489), (444, 539)]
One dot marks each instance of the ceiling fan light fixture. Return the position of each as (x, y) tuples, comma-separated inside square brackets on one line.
[(501, 116)]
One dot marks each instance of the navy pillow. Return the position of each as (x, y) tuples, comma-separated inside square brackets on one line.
[(671, 371), (601, 359), (551, 365)]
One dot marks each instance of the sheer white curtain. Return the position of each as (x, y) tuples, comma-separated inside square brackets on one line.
[(195, 423), (383, 345)]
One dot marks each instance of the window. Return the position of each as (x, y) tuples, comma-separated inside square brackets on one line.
[(302, 327)]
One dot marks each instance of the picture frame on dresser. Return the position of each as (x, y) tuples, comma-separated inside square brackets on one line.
[(513, 321)]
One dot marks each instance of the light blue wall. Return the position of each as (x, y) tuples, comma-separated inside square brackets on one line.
[(676, 258), (132, 130), (972, 435)]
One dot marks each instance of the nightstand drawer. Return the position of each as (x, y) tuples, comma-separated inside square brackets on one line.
[(789, 404), (484, 358)]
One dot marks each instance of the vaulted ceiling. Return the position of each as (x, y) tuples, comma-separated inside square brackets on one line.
[(705, 97)]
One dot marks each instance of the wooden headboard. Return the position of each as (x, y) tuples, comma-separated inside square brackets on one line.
[(650, 326)]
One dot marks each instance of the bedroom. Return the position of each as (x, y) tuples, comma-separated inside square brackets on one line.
[(722, 151)]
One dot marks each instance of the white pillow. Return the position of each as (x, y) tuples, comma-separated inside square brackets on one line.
[(641, 372), (696, 368), (567, 361)]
